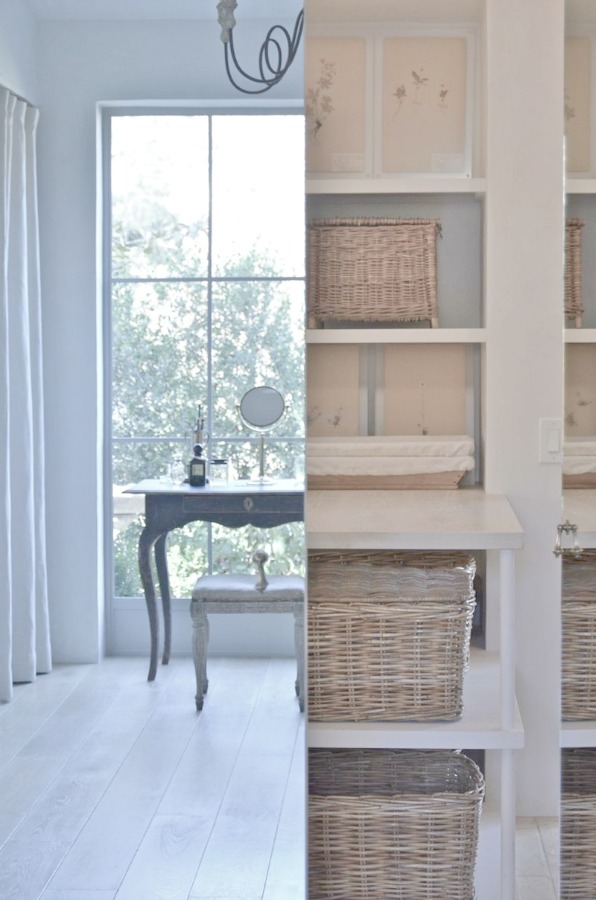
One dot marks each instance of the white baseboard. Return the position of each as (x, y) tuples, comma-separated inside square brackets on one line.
[(262, 634)]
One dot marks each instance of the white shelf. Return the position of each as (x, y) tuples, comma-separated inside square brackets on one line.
[(406, 184), (479, 727), (578, 734), (580, 335), (580, 185), (396, 336), (464, 519)]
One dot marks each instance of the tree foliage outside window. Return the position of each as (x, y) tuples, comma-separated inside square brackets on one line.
[(207, 301)]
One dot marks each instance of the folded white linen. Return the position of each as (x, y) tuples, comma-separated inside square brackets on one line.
[(579, 446), (578, 465), (391, 446), (386, 465)]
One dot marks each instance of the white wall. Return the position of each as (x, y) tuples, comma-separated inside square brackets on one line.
[(81, 64), (17, 49)]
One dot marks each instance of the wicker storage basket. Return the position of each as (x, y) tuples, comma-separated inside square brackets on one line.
[(392, 824), (573, 270), (578, 825), (388, 635), (372, 270), (579, 637)]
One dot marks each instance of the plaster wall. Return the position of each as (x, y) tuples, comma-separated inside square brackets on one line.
[(17, 49), (82, 64)]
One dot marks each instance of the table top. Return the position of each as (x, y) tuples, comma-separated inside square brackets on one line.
[(155, 486)]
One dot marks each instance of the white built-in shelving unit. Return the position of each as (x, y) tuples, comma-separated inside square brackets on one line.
[(467, 520), (579, 507), (514, 335)]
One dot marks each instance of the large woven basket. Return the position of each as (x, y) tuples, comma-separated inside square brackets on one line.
[(372, 270), (578, 825), (392, 824), (573, 270), (579, 637), (388, 635)]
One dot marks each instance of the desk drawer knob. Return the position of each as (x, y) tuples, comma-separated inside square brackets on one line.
[(248, 503)]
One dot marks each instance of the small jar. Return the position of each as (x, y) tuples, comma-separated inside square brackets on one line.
[(218, 472)]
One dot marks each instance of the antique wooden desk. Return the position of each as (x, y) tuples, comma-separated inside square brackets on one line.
[(170, 506)]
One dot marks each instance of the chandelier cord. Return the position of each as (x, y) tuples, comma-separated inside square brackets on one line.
[(272, 66)]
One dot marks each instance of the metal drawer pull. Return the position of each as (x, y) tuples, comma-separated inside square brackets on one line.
[(575, 549)]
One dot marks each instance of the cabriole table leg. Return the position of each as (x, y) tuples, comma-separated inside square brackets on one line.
[(146, 542)]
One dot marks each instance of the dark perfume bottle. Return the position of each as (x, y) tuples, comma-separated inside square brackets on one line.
[(197, 468)]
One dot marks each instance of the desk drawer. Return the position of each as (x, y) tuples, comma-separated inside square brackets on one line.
[(249, 505)]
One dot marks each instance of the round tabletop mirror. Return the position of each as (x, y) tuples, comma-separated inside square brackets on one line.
[(261, 407)]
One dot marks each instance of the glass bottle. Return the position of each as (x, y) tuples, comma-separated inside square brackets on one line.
[(197, 468)]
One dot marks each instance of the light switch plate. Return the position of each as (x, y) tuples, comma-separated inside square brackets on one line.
[(551, 441)]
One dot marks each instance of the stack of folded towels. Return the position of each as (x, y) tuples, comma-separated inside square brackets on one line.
[(390, 461), (579, 462)]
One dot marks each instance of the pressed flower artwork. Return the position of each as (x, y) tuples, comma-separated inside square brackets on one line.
[(577, 102), (335, 90), (318, 103), (424, 105), (580, 396)]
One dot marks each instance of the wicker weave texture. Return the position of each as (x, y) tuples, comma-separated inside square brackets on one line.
[(372, 270), (388, 635), (578, 666), (392, 824), (573, 269), (578, 825)]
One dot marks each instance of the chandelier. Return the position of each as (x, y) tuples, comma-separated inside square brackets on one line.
[(276, 54)]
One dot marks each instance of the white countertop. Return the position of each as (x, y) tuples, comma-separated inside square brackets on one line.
[(464, 519)]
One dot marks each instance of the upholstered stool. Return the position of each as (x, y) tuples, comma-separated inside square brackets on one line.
[(246, 594)]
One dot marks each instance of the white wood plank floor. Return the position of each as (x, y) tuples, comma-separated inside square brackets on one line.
[(537, 850), (111, 787)]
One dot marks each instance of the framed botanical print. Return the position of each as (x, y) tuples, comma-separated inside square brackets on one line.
[(336, 401), (578, 83), (424, 104), (424, 389), (336, 109)]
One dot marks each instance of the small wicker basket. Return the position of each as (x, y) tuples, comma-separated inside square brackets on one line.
[(578, 665), (388, 635), (372, 270), (578, 825), (392, 824), (574, 308)]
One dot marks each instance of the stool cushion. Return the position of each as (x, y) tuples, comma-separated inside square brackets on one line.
[(242, 587)]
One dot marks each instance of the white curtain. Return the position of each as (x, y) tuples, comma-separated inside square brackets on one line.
[(24, 620)]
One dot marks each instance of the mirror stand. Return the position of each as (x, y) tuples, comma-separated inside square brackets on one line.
[(261, 408)]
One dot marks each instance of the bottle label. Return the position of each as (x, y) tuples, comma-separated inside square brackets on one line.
[(196, 474)]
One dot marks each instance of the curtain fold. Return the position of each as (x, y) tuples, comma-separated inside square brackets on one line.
[(24, 616)]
